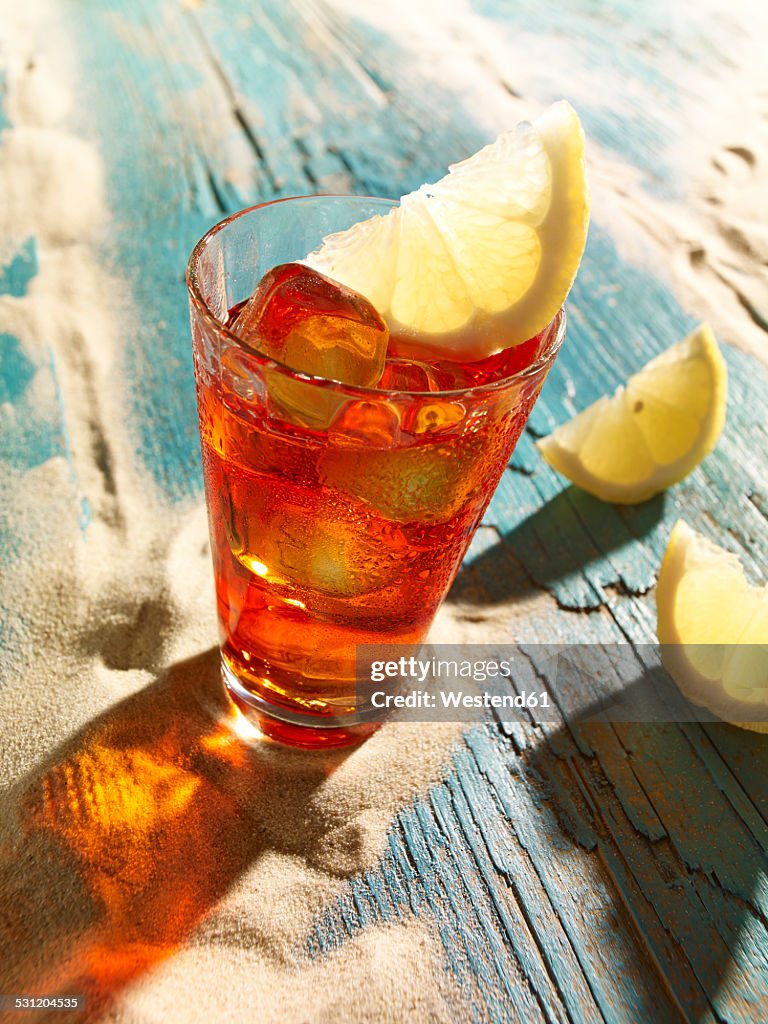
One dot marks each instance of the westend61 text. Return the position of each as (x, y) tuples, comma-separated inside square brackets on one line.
[(454, 699)]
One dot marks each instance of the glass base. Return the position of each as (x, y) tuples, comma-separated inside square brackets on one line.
[(297, 729)]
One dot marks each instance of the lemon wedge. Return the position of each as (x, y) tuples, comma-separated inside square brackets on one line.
[(483, 259), (713, 628), (653, 431)]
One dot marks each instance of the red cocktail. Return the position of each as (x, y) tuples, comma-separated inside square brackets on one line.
[(339, 513)]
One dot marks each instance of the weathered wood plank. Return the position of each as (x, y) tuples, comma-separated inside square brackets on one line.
[(613, 873)]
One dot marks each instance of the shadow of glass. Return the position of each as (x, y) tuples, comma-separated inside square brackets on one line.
[(569, 533), (136, 828)]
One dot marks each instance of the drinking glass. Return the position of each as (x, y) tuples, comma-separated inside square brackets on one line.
[(338, 515)]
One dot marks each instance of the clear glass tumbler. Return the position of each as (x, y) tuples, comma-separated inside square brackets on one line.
[(338, 515)]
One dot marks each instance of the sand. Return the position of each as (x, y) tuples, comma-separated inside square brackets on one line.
[(149, 855), (711, 239)]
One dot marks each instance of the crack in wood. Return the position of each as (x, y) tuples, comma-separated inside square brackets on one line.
[(305, 155), (755, 315), (216, 192), (508, 88), (335, 36), (757, 500), (255, 145), (231, 93)]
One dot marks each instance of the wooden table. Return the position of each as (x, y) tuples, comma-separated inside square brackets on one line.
[(597, 873)]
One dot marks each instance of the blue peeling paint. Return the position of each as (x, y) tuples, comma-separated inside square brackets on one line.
[(4, 122), (637, 54), (32, 424), (16, 275), (479, 849), (16, 369), (620, 316), (483, 844), (158, 210)]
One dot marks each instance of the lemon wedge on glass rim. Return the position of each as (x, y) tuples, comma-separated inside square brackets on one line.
[(484, 258), (713, 629), (652, 431)]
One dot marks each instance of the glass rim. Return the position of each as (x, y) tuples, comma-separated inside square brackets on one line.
[(326, 383)]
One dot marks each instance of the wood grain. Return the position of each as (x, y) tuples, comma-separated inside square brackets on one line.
[(607, 873)]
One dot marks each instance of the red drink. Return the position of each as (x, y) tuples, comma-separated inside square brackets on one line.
[(339, 514)]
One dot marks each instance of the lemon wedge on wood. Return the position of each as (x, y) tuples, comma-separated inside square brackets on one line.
[(713, 628), (652, 431)]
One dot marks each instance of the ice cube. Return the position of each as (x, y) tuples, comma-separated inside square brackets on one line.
[(361, 424), (309, 322), (408, 375), (433, 417), (308, 537), (428, 483), (314, 325)]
